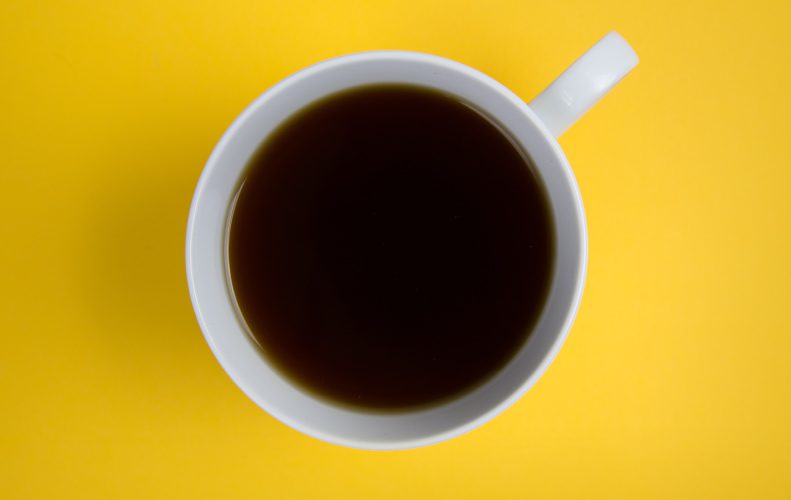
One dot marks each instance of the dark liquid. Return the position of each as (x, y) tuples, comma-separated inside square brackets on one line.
[(390, 247)]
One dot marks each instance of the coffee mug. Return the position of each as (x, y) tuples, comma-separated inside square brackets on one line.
[(534, 127)]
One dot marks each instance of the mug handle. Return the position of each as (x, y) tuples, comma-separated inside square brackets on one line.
[(586, 81)]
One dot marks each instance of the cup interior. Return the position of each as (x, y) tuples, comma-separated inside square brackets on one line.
[(213, 300)]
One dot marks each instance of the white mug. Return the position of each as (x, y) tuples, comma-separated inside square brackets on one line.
[(534, 126)]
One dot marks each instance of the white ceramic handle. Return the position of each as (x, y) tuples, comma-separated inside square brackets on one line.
[(586, 81)]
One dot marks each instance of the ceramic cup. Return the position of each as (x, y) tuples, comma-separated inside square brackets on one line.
[(535, 126)]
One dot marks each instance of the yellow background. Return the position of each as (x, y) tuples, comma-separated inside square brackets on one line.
[(674, 382)]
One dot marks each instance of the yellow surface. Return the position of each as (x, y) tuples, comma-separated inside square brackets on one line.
[(674, 382)]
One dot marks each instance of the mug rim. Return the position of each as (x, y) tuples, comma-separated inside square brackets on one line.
[(214, 163)]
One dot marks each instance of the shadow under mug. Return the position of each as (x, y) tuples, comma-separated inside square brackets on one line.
[(534, 126)]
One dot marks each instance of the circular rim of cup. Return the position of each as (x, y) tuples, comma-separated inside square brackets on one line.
[(432, 438)]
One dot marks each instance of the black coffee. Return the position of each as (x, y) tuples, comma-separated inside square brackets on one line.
[(390, 247)]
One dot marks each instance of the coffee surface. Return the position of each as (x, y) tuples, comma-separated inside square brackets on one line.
[(390, 248)]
